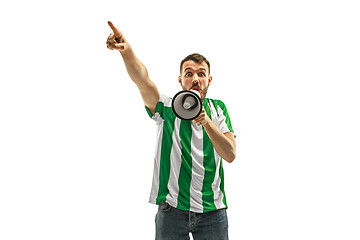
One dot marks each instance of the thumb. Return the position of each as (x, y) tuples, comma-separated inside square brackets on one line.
[(120, 46)]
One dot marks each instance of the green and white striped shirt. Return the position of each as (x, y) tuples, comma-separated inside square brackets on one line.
[(188, 172)]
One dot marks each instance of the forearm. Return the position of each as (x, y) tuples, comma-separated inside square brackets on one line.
[(224, 144)]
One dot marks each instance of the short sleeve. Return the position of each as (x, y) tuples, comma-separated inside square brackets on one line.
[(161, 108), (224, 122)]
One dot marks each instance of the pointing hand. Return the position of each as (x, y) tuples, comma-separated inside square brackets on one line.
[(116, 40)]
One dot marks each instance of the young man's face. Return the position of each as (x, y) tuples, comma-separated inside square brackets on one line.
[(195, 76)]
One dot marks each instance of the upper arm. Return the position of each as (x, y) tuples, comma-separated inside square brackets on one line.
[(149, 94), (139, 75)]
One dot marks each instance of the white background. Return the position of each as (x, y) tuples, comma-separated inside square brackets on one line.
[(77, 146)]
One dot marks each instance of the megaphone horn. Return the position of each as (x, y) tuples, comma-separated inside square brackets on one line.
[(187, 104)]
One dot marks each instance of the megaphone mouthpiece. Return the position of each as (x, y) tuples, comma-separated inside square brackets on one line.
[(189, 101)]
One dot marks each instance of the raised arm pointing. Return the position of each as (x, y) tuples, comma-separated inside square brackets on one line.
[(136, 70)]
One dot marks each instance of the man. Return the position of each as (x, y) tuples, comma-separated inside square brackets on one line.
[(188, 182)]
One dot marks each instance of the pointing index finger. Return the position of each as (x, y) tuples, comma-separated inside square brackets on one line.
[(117, 33)]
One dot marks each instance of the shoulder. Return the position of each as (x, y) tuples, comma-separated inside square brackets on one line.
[(222, 120), (165, 100), (216, 103)]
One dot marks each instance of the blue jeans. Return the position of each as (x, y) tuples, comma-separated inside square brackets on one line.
[(175, 224)]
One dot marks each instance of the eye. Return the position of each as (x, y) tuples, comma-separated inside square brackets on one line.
[(201, 74), (188, 74)]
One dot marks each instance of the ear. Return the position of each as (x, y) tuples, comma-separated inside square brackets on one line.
[(180, 80), (210, 80)]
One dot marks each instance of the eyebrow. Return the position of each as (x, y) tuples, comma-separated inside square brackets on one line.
[(189, 68)]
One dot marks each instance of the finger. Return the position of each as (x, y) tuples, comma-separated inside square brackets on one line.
[(110, 44), (111, 36), (198, 119), (109, 40), (116, 46), (116, 31)]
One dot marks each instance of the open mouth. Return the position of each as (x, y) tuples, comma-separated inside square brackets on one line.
[(197, 89)]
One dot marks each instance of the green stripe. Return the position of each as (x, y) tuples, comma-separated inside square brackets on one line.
[(166, 145), (186, 166), (221, 174), (207, 107), (210, 170)]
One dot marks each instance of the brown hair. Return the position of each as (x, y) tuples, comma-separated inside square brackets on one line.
[(196, 57)]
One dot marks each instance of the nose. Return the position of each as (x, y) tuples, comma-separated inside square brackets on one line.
[(195, 78)]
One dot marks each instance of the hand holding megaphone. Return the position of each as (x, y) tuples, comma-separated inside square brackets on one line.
[(203, 118)]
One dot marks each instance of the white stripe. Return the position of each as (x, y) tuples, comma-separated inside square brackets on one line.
[(175, 165), (155, 184), (198, 170), (160, 123), (167, 103), (166, 100), (222, 121), (218, 194)]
